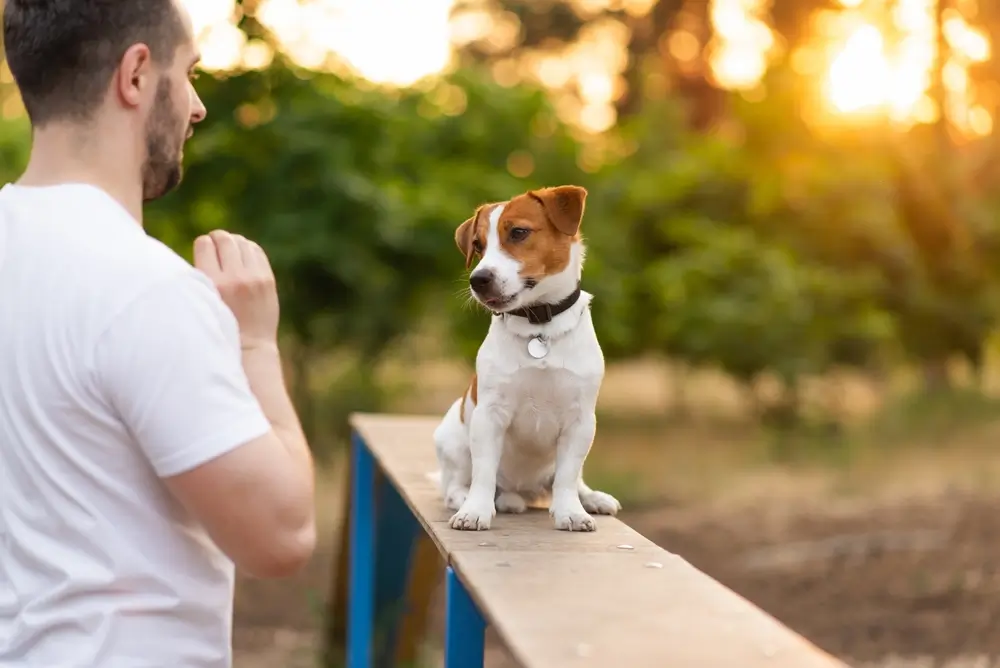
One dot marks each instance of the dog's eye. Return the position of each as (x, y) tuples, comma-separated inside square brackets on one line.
[(477, 247), (519, 234)]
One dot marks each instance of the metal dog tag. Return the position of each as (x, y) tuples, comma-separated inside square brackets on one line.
[(538, 347)]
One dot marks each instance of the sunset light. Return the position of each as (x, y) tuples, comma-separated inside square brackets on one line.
[(868, 75), (386, 41), (744, 42), (868, 62)]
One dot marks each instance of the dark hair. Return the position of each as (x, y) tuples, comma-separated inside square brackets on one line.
[(63, 53)]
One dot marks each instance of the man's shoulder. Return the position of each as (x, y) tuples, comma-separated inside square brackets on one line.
[(154, 260), (126, 266), (126, 254), (143, 264), (87, 231)]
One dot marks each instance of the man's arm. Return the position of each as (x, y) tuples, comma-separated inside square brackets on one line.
[(258, 501), (216, 421), (262, 364)]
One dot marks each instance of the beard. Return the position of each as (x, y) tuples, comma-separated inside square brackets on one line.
[(165, 135)]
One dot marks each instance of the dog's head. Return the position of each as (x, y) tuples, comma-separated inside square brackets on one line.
[(529, 247)]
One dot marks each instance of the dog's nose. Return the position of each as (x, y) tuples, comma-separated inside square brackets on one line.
[(481, 280)]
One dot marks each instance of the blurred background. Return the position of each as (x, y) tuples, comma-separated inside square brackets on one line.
[(794, 236)]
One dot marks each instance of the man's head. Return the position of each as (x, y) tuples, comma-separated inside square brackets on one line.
[(123, 64)]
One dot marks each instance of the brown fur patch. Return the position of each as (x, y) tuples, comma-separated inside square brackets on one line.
[(545, 251), (564, 206), (471, 392), (470, 237), (552, 219)]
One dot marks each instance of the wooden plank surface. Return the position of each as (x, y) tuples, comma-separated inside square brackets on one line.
[(604, 599)]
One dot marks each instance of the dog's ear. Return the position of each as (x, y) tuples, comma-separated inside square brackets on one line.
[(464, 237), (564, 206)]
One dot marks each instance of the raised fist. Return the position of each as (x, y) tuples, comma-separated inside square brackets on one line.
[(242, 273)]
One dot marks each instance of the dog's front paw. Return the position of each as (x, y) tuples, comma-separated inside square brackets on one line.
[(473, 517), (573, 520), (600, 503)]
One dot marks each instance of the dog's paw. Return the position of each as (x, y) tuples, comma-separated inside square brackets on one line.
[(511, 502), (573, 520), (471, 517), (600, 503), (456, 497)]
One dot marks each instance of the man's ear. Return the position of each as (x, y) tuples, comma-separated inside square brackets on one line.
[(134, 73), (564, 206), (464, 236)]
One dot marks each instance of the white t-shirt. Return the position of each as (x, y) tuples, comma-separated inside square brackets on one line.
[(119, 364)]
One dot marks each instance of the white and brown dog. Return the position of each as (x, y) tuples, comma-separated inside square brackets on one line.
[(525, 425)]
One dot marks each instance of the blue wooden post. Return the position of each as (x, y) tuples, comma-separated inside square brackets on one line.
[(361, 593), (465, 628), (396, 537), (383, 533)]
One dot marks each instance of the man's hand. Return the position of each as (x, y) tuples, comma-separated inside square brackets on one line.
[(242, 273)]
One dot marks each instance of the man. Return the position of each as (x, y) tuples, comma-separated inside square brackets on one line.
[(147, 441)]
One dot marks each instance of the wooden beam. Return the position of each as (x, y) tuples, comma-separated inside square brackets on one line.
[(607, 598)]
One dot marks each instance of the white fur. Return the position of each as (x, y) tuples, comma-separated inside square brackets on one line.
[(534, 423), (504, 267)]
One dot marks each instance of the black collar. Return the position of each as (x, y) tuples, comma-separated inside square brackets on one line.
[(539, 314)]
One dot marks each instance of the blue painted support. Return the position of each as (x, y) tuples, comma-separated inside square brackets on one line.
[(395, 539), (361, 593), (465, 628)]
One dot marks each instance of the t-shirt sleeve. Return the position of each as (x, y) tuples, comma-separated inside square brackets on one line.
[(170, 365)]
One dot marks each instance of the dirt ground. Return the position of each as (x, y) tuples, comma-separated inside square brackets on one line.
[(910, 583), (912, 579)]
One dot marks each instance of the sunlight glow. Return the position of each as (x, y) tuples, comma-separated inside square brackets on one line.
[(864, 51), (739, 58), (386, 41), (218, 38), (867, 76), (871, 60)]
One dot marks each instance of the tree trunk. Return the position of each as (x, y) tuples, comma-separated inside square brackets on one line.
[(936, 377)]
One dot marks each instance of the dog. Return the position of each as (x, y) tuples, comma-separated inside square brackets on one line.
[(525, 425)]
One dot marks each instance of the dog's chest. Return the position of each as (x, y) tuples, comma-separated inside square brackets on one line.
[(541, 403), (541, 395), (554, 392)]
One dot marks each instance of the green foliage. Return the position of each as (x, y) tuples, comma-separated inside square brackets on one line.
[(14, 145), (354, 191), (762, 247), (731, 300)]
